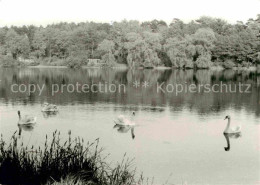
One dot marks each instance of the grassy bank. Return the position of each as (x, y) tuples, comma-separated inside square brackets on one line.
[(57, 162)]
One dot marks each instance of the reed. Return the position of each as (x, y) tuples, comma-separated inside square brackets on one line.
[(72, 161)]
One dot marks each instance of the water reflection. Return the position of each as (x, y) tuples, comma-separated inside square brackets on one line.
[(49, 114), (27, 128), (231, 136), (125, 129), (208, 103)]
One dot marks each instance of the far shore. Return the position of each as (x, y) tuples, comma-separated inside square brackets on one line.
[(125, 67), (44, 66)]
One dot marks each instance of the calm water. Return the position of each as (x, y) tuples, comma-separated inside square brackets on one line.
[(177, 137)]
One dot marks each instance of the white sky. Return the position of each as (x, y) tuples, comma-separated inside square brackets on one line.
[(42, 12)]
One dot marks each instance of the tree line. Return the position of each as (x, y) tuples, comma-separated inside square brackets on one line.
[(200, 43)]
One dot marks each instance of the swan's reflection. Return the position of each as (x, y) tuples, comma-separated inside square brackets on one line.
[(49, 114), (28, 128), (125, 129), (232, 136)]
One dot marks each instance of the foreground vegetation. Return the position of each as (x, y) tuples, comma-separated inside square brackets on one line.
[(71, 162), (202, 43)]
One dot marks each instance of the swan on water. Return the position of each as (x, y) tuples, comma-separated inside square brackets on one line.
[(26, 120), (27, 127), (125, 129), (232, 136), (49, 108), (228, 129), (123, 121)]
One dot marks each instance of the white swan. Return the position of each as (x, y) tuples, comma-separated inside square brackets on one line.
[(229, 130), (27, 127), (123, 121), (49, 108), (26, 120), (125, 129), (232, 136)]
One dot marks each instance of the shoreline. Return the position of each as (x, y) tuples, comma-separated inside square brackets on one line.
[(123, 67), (43, 66)]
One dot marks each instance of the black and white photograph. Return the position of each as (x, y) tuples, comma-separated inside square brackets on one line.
[(129, 92)]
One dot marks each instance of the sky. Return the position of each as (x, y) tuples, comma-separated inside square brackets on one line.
[(43, 12)]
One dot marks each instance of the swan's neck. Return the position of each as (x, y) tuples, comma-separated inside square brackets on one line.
[(19, 116), (228, 143), (228, 125), (132, 117), (132, 133)]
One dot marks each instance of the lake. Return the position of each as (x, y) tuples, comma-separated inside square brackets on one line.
[(178, 134)]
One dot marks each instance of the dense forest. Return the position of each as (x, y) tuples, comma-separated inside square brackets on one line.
[(201, 43)]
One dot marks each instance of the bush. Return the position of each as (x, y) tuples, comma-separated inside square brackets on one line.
[(189, 64), (109, 60), (178, 62), (8, 61), (203, 62), (147, 64), (164, 58), (246, 64), (58, 62), (228, 64), (74, 62), (32, 61), (53, 61), (217, 63), (46, 61)]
